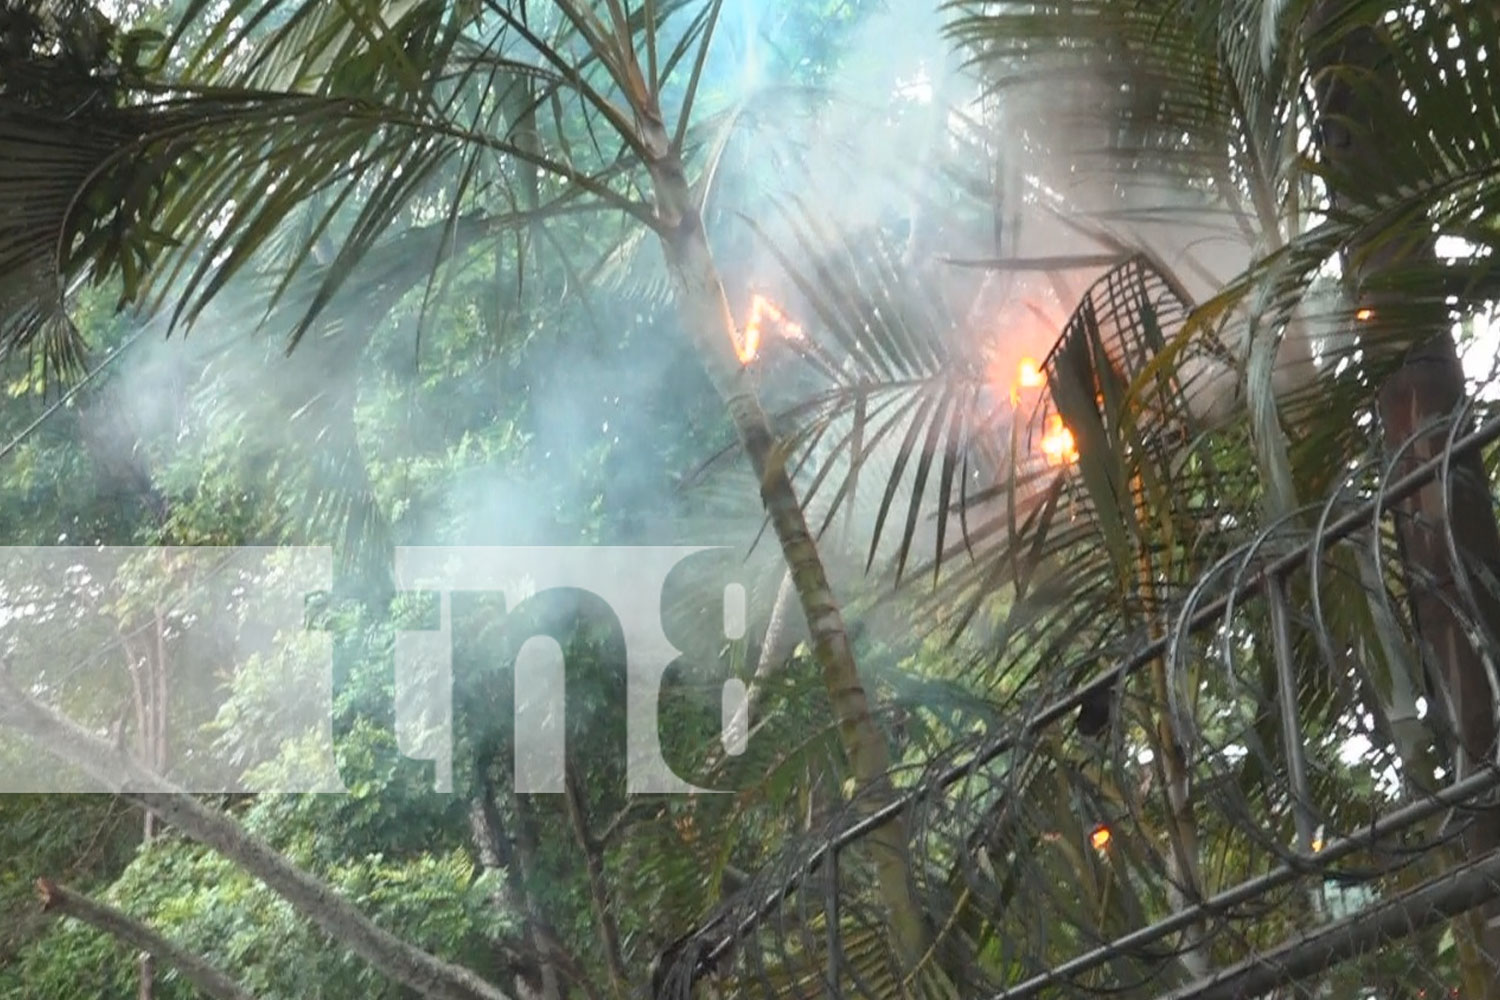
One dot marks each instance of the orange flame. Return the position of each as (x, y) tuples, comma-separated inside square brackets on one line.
[(1101, 837), (1058, 446), (761, 309), (1028, 376), (1364, 314)]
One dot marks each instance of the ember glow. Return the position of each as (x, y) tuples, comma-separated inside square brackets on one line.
[(1058, 447), (761, 310), (1101, 837), (1028, 376)]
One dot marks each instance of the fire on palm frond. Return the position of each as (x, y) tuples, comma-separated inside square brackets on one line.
[(1056, 445)]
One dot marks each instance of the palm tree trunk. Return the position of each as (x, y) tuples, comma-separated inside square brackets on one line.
[(1426, 386), (706, 315)]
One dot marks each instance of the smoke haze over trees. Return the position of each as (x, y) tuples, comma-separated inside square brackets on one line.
[(1044, 373)]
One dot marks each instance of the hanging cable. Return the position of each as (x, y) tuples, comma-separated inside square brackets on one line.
[(73, 391)]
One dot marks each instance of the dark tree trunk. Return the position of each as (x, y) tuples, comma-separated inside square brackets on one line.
[(525, 961)]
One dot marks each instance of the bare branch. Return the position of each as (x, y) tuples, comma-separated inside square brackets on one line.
[(61, 900), (311, 897)]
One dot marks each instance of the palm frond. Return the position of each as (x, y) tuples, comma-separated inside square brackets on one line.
[(68, 205)]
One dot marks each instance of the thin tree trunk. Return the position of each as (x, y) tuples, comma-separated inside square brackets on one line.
[(1184, 875), (560, 962), (534, 976), (781, 635), (126, 929), (1427, 386), (152, 732), (311, 897), (775, 650), (593, 860)]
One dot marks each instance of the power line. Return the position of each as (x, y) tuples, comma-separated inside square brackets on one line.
[(31, 427)]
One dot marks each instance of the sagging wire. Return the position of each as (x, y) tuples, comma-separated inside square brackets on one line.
[(1261, 562), (72, 391)]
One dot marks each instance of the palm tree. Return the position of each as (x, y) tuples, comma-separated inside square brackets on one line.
[(1270, 182), (284, 142)]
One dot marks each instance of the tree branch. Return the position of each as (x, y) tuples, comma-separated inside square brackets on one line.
[(311, 897), (66, 902)]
